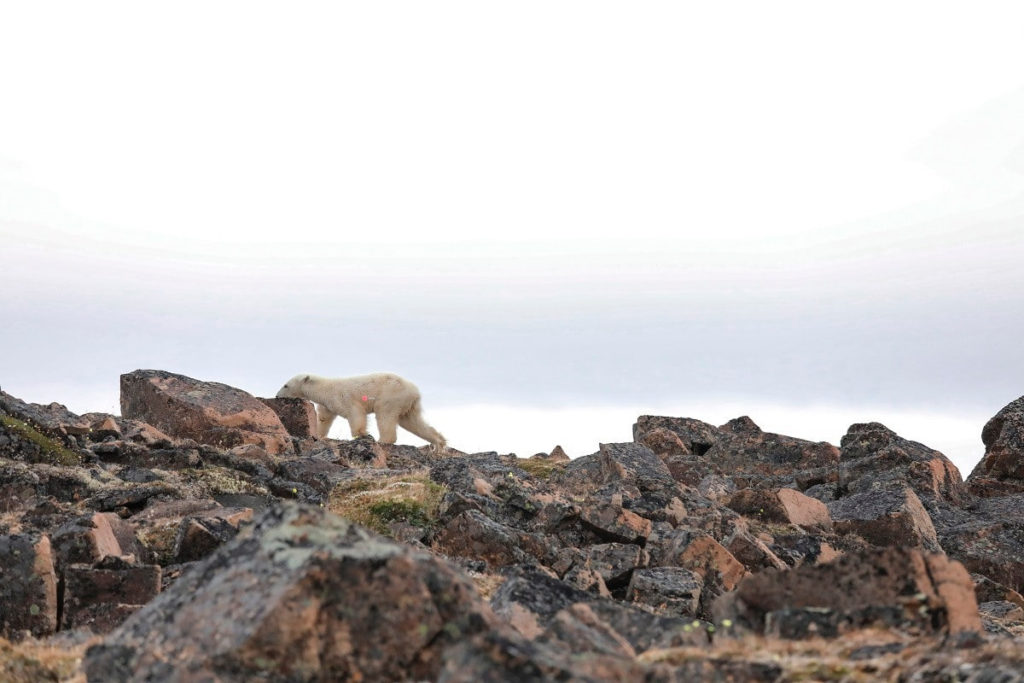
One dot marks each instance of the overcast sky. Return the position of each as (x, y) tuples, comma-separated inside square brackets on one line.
[(552, 216)]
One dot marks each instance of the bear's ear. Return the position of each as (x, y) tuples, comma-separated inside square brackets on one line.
[(305, 379)]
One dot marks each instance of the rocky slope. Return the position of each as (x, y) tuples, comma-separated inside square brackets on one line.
[(205, 535)]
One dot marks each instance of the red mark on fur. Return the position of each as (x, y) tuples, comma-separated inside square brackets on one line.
[(364, 397)]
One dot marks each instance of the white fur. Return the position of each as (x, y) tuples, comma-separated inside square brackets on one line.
[(395, 401)]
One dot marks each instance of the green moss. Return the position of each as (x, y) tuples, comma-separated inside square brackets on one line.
[(52, 452)]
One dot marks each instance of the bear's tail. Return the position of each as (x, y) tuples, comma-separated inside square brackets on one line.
[(413, 422)]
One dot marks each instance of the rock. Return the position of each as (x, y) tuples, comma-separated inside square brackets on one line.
[(86, 540), (319, 475), (529, 601), (756, 459), (739, 451), (578, 629), (786, 506), (888, 517), (558, 455), (987, 590), (1001, 470), (103, 597), (473, 534), (874, 457), (297, 415), (28, 587), (902, 588), (990, 540), (497, 656), (752, 552), (664, 442), (705, 556), (209, 412), (630, 463), (201, 534), (615, 562), (668, 591), (616, 524), (54, 420), (295, 587), (698, 437)]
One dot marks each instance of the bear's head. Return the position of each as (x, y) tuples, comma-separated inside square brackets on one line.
[(293, 387)]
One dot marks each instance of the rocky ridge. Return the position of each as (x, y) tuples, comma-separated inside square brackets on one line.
[(204, 534)]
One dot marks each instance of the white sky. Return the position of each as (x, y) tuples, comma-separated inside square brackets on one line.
[(554, 214)]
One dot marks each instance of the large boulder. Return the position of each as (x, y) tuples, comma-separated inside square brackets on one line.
[(901, 588), (886, 517), (874, 457), (208, 412), (738, 451), (1001, 471), (300, 595)]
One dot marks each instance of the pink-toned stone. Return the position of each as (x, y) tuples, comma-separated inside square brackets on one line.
[(786, 506), (208, 412), (297, 415)]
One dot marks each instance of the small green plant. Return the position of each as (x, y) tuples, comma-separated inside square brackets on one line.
[(51, 451)]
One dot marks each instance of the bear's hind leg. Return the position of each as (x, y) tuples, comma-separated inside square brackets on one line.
[(413, 422)]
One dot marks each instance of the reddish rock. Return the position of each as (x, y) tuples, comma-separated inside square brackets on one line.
[(874, 457), (786, 506), (86, 540), (297, 415), (901, 588), (698, 437), (708, 558), (208, 412), (740, 451), (305, 595), (752, 552), (28, 587), (664, 442), (558, 455), (614, 523), (103, 597), (1001, 470), (888, 517)]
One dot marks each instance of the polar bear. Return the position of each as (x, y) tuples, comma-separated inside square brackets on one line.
[(394, 399)]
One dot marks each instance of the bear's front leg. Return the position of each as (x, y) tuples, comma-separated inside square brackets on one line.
[(324, 420), (357, 421)]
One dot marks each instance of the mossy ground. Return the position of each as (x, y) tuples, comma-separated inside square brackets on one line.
[(52, 452), (375, 503), (214, 480), (539, 467)]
